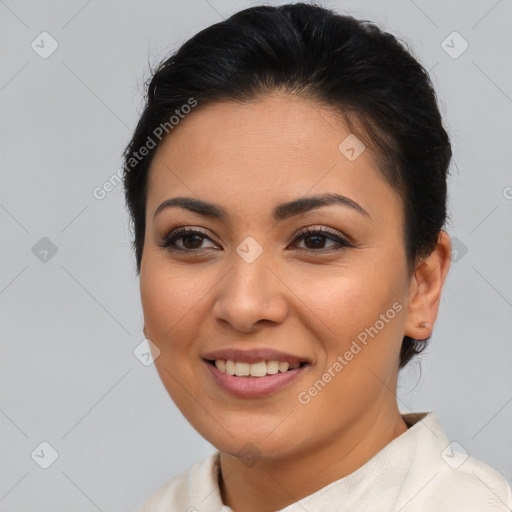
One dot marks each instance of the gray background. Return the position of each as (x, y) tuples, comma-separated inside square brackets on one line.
[(70, 323)]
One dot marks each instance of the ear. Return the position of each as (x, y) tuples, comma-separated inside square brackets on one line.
[(425, 289)]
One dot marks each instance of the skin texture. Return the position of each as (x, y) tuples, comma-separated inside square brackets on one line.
[(300, 297)]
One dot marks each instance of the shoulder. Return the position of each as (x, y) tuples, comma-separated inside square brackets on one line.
[(476, 485), (183, 491), (444, 477)]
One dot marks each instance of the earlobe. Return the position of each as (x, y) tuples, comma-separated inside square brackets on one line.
[(425, 289)]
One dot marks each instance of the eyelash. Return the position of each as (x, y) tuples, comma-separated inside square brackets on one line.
[(170, 239)]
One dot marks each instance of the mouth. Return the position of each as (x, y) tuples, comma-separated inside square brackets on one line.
[(254, 380), (256, 370)]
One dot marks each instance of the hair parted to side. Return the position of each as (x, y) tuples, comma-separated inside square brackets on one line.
[(367, 75)]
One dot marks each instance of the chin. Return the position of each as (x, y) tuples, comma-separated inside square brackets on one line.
[(248, 440)]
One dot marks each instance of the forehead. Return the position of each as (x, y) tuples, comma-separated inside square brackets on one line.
[(276, 147), (288, 127)]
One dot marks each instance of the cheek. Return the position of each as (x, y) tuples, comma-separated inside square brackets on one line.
[(348, 299), (357, 312), (171, 303), (170, 298), (357, 348)]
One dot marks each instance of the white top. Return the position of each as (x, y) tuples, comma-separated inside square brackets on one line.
[(418, 471)]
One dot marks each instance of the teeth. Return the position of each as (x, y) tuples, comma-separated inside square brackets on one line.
[(272, 367), (230, 367), (259, 369), (242, 369), (283, 367)]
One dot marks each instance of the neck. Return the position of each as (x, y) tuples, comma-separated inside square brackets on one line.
[(274, 484)]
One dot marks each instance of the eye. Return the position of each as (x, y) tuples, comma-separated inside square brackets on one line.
[(188, 239), (317, 238), (191, 240)]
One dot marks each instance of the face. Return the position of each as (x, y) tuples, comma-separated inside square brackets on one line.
[(325, 286)]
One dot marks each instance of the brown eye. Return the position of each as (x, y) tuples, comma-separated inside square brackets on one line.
[(315, 240), (191, 240), (186, 239)]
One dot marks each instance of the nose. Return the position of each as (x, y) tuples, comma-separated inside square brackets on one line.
[(250, 294)]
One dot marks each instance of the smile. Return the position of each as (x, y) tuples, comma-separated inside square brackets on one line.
[(258, 369), (254, 380)]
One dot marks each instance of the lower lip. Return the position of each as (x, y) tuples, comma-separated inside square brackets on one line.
[(254, 387)]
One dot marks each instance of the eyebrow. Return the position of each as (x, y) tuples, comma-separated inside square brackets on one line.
[(280, 212)]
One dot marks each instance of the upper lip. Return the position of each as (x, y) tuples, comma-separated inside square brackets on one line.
[(254, 355)]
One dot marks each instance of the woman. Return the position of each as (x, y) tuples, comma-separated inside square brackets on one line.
[(287, 187)]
